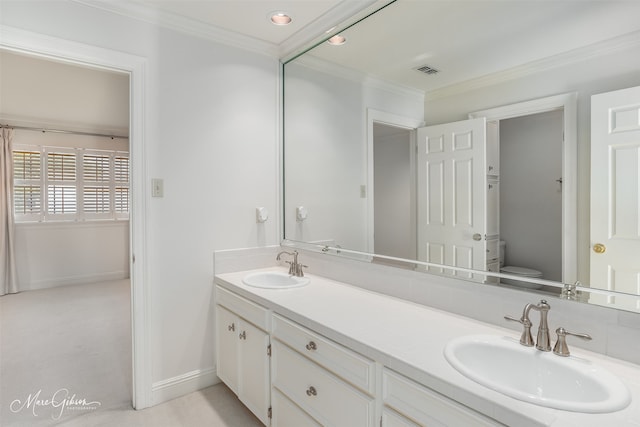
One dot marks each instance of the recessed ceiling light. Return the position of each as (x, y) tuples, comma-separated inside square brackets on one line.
[(337, 40), (280, 18)]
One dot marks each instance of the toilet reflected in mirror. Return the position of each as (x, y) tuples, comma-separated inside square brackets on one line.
[(529, 273)]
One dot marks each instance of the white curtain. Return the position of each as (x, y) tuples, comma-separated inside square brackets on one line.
[(8, 272)]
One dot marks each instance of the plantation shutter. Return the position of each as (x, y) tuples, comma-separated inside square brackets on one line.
[(61, 183), (96, 174), (121, 178), (27, 194)]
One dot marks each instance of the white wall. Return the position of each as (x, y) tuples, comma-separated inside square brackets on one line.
[(211, 134), (43, 93), (600, 73), (530, 197), (60, 254), (326, 151)]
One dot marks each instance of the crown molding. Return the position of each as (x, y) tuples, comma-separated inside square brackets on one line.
[(343, 15), (606, 47), (184, 25), (359, 77)]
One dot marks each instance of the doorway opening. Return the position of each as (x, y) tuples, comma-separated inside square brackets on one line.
[(72, 231), (27, 42), (561, 108)]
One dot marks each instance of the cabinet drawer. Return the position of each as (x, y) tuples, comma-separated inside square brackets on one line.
[(426, 406), (351, 366), (324, 396), (393, 419), (244, 308), (288, 414)]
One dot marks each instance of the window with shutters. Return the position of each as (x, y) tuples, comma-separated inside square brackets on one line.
[(52, 184)]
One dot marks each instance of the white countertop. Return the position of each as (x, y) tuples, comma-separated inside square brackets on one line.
[(410, 338)]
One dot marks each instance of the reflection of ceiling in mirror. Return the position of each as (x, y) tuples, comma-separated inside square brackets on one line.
[(465, 40)]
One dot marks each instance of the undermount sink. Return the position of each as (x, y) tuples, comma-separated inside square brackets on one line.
[(541, 378), (274, 280)]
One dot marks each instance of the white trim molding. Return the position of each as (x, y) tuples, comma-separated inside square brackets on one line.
[(180, 385), (48, 47)]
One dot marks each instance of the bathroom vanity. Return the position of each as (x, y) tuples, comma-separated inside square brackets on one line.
[(332, 354)]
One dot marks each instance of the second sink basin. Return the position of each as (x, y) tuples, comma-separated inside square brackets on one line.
[(274, 280), (541, 378)]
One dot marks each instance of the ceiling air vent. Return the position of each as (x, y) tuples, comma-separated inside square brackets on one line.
[(427, 70)]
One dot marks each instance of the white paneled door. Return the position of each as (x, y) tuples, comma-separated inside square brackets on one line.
[(451, 194), (615, 193)]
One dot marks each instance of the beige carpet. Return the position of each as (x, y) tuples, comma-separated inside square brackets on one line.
[(76, 340)]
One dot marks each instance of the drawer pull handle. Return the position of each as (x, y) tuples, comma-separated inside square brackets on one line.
[(311, 391), (232, 327), (311, 346), (243, 335)]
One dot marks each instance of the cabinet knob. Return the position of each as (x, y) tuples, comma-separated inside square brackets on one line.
[(311, 391), (311, 346), (243, 335), (232, 327)]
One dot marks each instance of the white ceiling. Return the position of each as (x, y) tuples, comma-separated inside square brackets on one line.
[(248, 17), (463, 39), (474, 39), (244, 23)]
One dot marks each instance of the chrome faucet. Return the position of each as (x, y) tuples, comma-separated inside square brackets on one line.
[(295, 268), (543, 341)]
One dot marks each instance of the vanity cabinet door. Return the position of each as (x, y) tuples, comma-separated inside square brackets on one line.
[(253, 370), (242, 350), (227, 347), (425, 406)]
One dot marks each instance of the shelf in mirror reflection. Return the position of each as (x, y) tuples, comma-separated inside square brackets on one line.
[(571, 291)]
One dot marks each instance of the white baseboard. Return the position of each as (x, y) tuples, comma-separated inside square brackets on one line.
[(171, 388), (73, 280)]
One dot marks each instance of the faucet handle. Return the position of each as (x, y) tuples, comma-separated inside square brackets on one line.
[(525, 339), (561, 348)]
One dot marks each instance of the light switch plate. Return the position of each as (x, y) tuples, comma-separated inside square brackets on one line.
[(157, 187)]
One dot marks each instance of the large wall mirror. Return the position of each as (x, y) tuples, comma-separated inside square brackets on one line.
[(467, 134)]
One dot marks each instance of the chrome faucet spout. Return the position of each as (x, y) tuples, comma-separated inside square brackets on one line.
[(283, 252), (543, 341)]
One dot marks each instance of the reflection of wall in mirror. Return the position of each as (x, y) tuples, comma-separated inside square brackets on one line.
[(325, 151)]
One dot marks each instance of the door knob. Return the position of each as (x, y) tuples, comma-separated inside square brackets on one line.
[(599, 248), (477, 237)]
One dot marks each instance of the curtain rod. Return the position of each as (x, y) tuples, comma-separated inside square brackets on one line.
[(73, 132)]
